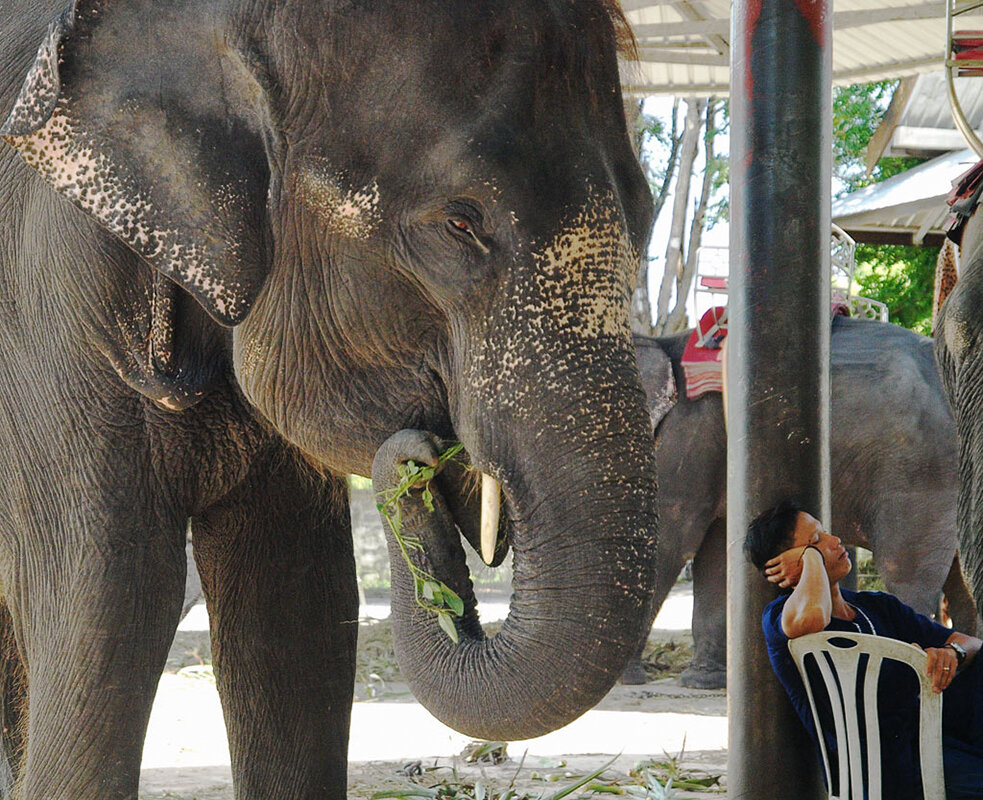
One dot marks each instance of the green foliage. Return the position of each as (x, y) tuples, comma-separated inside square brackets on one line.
[(857, 111), (457, 789), (652, 780), (718, 209), (655, 137), (903, 278), (868, 578), (653, 129), (431, 594), (670, 772)]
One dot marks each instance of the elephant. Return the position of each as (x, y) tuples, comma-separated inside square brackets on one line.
[(960, 359), (893, 477), (245, 247)]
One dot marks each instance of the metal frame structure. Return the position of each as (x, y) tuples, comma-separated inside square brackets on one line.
[(955, 66), (685, 45), (711, 278)]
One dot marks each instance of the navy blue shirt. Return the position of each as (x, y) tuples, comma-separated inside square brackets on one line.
[(898, 687)]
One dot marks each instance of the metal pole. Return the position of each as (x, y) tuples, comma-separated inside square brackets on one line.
[(778, 353)]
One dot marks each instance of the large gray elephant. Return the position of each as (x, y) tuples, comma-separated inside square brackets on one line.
[(893, 477), (958, 350), (242, 246)]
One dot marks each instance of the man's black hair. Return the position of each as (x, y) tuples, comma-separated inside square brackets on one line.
[(771, 532)]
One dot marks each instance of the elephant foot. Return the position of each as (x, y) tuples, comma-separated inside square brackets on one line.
[(695, 677), (634, 674)]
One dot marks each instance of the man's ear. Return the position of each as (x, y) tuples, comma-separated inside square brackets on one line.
[(146, 118)]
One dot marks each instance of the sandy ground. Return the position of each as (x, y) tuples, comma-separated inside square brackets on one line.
[(186, 756)]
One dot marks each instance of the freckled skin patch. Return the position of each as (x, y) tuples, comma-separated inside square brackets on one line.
[(40, 90), (574, 306), (353, 213), (87, 176)]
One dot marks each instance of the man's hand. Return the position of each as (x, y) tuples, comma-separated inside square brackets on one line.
[(785, 569), (941, 667)]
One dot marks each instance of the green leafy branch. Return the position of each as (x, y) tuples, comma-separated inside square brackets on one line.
[(431, 594)]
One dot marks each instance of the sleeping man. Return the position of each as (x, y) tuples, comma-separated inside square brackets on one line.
[(797, 554)]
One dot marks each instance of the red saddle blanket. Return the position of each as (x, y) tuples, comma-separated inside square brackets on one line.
[(701, 362)]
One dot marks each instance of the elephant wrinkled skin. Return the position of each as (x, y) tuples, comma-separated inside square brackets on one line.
[(960, 357), (242, 246), (893, 477)]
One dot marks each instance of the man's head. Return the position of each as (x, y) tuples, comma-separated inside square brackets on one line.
[(771, 532), (787, 526)]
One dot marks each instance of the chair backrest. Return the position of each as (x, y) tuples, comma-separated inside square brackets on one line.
[(838, 658)]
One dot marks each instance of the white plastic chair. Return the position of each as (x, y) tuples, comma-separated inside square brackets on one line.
[(839, 653)]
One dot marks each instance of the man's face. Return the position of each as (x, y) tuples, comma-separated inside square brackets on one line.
[(810, 531)]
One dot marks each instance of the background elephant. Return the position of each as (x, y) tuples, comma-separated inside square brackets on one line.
[(893, 477), (960, 357), (242, 246)]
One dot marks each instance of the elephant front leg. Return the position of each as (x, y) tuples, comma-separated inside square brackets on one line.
[(708, 669), (278, 573), (94, 619)]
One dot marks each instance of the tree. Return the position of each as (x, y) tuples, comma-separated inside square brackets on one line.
[(902, 277), (899, 276), (895, 275), (857, 112), (651, 131), (673, 272), (676, 319), (702, 118)]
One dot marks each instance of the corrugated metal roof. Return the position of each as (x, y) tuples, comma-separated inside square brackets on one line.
[(685, 44), (924, 127), (909, 208)]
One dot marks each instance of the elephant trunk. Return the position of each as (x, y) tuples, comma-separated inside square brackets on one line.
[(583, 538)]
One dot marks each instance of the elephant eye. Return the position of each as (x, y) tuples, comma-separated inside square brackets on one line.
[(462, 227)]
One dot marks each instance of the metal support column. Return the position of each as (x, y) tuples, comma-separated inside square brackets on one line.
[(778, 352)]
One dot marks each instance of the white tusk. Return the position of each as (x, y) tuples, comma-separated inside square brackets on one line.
[(491, 504)]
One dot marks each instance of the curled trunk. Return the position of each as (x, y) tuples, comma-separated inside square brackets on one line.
[(583, 556)]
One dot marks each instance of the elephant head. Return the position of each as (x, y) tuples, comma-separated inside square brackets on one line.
[(420, 216)]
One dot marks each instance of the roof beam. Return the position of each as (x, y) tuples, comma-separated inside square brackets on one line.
[(701, 26), (705, 59), (876, 72), (664, 56), (694, 10), (882, 136)]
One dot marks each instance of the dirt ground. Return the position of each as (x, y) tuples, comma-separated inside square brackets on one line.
[(396, 744)]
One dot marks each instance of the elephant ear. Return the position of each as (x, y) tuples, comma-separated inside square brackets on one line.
[(655, 368), (147, 119)]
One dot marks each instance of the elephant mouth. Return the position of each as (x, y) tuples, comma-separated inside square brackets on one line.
[(480, 508)]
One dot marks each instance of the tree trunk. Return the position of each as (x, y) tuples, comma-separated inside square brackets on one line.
[(676, 320), (687, 155), (641, 303)]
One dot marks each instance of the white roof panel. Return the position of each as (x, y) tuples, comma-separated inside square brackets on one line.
[(909, 207), (685, 44)]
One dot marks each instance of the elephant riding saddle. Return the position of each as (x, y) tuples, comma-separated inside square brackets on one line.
[(702, 359)]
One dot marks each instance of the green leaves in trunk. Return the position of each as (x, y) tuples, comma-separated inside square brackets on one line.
[(431, 594)]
